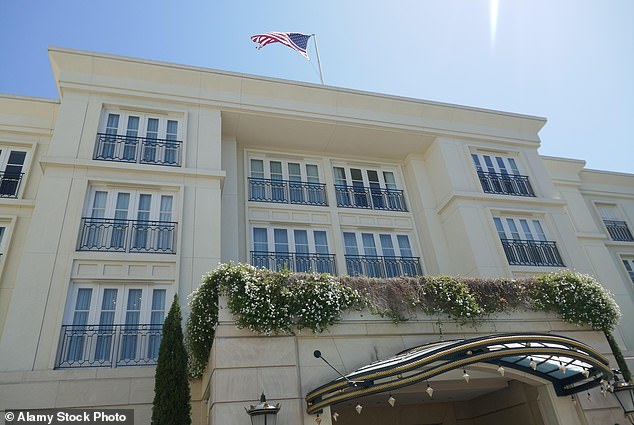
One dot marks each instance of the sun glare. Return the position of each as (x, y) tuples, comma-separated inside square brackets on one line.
[(495, 4)]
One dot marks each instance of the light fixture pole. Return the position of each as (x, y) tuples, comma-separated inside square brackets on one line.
[(264, 413), (624, 393)]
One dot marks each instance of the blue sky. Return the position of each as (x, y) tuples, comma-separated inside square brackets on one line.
[(570, 61)]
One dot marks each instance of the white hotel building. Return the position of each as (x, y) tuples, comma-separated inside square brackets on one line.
[(143, 175)]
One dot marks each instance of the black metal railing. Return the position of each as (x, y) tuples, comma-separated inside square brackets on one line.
[(109, 234), (505, 184), (287, 192), (294, 261), (618, 230), (532, 253), (144, 150), (109, 345), (10, 184), (370, 198), (385, 267)]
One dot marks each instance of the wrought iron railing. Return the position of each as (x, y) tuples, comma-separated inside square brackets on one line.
[(10, 184), (532, 253), (287, 192), (618, 230), (294, 261), (109, 345), (370, 198), (109, 234), (144, 150), (385, 267), (505, 184)]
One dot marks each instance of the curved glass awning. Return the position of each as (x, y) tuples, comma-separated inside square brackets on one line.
[(570, 365)]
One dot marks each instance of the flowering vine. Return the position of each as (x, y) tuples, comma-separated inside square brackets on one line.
[(274, 303)]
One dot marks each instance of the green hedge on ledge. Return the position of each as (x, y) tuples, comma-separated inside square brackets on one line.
[(280, 303)]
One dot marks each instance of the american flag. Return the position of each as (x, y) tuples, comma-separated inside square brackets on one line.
[(294, 40)]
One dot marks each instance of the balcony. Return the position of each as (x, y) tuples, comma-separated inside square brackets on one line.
[(108, 345), (383, 267), (618, 230), (114, 235), (532, 253), (370, 198), (287, 192), (10, 184), (142, 150), (294, 262), (505, 184)]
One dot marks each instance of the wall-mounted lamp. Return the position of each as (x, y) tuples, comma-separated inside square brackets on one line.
[(264, 413)]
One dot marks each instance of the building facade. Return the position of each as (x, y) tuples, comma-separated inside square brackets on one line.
[(142, 176)]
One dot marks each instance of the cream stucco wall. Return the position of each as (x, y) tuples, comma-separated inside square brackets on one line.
[(225, 118), (25, 124), (284, 368), (581, 190)]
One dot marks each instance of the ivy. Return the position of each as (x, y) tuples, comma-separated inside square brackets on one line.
[(273, 303), (449, 295)]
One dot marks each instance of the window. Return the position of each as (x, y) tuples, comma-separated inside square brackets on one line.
[(629, 267), (380, 255), (3, 230), (367, 188), (134, 137), (614, 223), (128, 221), (112, 325), (285, 182), (11, 167), (501, 175), (525, 242), (298, 250)]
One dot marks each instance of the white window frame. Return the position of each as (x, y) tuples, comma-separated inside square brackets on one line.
[(266, 163), (609, 211), (529, 245), (380, 263), (88, 346), (378, 243), (124, 116), (6, 223), (500, 163), (3, 236), (133, 203), (532, 230), (5, 153), (291, 258), (628, 265), (290, 233), (128, 229), (383, 184), (379, 194), (122, 292), (160, 152), (280, 186)]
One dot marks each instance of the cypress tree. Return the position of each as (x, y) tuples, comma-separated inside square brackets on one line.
[(171, 387)]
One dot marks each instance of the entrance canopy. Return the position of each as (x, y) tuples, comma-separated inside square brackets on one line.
[(571, 366)]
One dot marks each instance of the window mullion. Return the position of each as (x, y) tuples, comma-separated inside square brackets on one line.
[(507, 229), (95, 298)]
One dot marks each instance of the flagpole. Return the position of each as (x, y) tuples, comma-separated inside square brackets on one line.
[(321, 74)]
